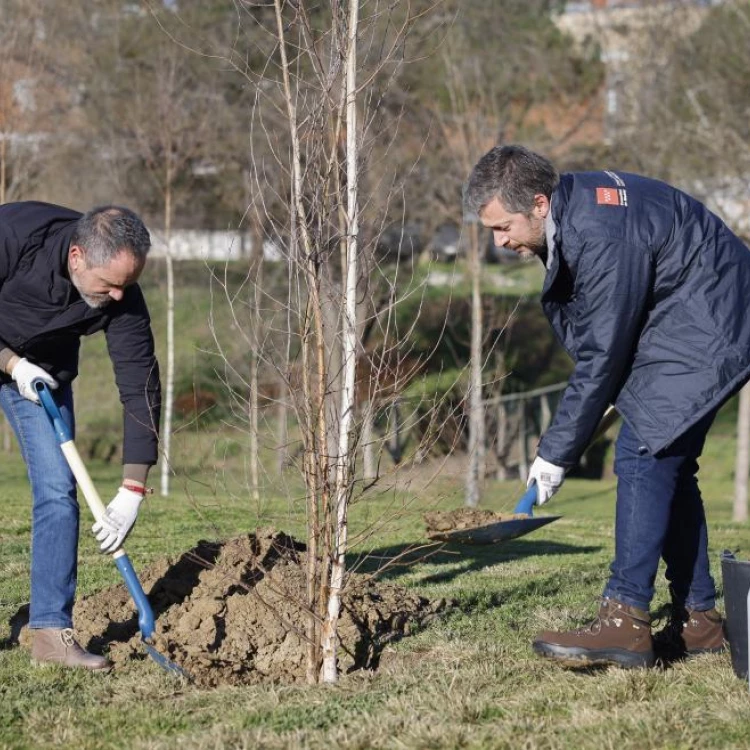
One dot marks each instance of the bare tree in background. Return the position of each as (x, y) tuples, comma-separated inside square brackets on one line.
[(162, 115), (30, 98), (693, 129)]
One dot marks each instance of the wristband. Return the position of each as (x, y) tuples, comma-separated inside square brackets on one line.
[(137, 488)]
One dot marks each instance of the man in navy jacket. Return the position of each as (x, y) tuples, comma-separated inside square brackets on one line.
[(647, 291), (64, 275)]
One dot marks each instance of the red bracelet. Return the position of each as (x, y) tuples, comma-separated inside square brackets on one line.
[(133, 487)]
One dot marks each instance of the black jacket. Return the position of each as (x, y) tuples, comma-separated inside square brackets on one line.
[(42, 318), (648, 292)]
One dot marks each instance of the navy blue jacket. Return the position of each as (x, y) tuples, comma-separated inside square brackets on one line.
[(42, 318), (648, 292)]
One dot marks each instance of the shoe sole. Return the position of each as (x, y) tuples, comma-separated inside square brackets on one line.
[(572, 656)]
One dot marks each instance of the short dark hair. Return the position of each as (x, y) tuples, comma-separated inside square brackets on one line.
[(514, 175), (105, 231)]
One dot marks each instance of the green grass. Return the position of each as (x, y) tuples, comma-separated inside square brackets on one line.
[(468, 680)]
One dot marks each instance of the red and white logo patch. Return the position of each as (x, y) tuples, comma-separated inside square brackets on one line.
[(606, 196)]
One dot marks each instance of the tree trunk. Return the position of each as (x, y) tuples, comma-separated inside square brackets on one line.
[(256, 274), (742, 463), (501, 442), (282, 409), (252, 408), (329, 641), (369, 459), (475, 473), (166, 433), (523, 442), (393, 439)]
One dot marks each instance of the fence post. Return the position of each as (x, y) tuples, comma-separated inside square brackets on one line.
[(523, 462), (501, 437)]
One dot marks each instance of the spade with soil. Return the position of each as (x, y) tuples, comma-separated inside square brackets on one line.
[(121, 560), (490, 527)]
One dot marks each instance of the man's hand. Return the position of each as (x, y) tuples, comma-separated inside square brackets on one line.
[(548, 479), (24, 373), (115, 525)]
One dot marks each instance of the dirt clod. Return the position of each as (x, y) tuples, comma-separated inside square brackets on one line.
[(439, 522), (233, 613)]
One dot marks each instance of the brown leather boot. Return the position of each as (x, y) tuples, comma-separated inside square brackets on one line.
[(690, 632), (58, 646), (619, 635)]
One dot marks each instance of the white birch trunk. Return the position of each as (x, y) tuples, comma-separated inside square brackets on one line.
[(742, 463), (166, 432), (329, 641), (475, 472), (253, 419)]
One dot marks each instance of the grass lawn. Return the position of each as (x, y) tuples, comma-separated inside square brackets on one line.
[(469, 680)]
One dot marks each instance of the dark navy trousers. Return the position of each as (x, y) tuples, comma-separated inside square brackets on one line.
[(660, 514)]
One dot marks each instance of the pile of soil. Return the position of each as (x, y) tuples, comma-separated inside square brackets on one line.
[(232, 613), (440, 522)]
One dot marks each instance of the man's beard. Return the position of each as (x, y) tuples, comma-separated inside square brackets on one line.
[(539, 248), (95, 301), (534, 250)]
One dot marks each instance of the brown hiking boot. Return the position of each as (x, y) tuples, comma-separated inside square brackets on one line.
[(690, 632), (57, 646), (619, 635)]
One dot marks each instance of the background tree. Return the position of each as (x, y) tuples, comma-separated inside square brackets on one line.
[(693, 130), (159, 109)]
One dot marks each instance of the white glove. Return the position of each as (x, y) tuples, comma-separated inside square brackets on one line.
[(24, 373), (117, 521), (548, 478)]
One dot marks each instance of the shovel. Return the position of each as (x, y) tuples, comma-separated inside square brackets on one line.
[(499, 531), (121, 560)]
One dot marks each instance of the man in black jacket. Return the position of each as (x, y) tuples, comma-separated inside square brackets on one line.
[(64, 275), (647, 291)]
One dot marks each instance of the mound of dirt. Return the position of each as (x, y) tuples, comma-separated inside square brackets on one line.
[(440, 522), (232, 613)]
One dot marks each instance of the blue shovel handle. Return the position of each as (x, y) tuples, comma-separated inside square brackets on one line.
[(142, 604), (146, 622), (121, 560), (53, 411), (526, 504)]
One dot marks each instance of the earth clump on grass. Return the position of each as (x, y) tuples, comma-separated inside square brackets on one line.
[(232, 612)]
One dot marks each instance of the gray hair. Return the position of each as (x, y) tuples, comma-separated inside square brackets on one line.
[(105, 231), (514, 175)]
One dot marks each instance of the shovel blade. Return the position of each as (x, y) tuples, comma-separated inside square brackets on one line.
[(495, 532), (164, 663)]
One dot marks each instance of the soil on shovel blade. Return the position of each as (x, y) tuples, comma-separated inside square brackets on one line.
[(439, 522), (230, 613)]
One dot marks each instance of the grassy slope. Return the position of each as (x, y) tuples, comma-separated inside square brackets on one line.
[(469, 680)]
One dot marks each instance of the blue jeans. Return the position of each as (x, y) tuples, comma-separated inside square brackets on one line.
[(54, 535), (660, 513)]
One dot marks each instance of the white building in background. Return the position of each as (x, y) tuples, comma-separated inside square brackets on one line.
[(189, 244), (632, 36)]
